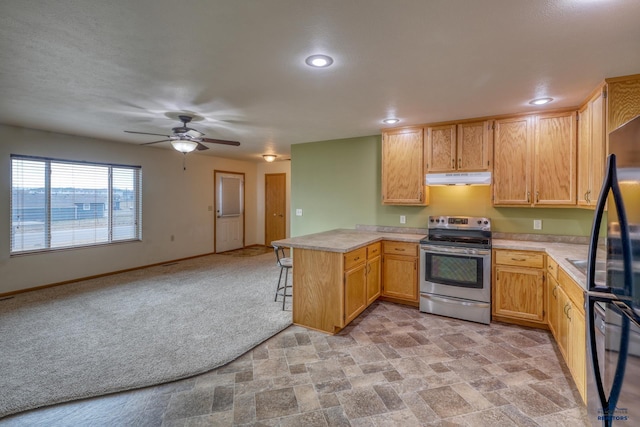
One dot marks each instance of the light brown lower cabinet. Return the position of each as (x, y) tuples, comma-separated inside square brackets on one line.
[(400, 271), (361, 281), (570, 327), (518, 287), (331, 289)]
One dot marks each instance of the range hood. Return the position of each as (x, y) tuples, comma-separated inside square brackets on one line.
[(458, 178)]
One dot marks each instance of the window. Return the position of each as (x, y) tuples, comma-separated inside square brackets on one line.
[(58, 204)]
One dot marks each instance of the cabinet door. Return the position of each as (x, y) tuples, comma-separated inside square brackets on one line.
[(598, 148), (552, 304), (584, 156), (355, 292), (400, 277), (576, 343), (402, 167), (554, 177), (473, 148), (513, 150), (563, 322), (441, 148), (374, 279), (519, 293)]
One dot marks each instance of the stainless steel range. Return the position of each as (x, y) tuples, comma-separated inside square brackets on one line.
[(455, 268)]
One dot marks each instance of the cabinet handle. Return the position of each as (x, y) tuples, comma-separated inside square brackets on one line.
[(566, 306), (586, 196), (453, 163), (528, 197), (568, 311), (356, 258), (400, 250), (415, 265), (553, 292), (459, 163), (537, 197), (518, 259)]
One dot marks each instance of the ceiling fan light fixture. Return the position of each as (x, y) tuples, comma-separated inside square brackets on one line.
[(184, 146), (269, 157)]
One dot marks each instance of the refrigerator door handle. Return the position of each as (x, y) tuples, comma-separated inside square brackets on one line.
[(611, 183), (608, 294)]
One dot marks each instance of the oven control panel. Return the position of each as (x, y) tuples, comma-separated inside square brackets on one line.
[(459, 222)]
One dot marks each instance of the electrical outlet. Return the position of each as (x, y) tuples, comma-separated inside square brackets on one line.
[(403, 219), (537, 224), (298, 212)]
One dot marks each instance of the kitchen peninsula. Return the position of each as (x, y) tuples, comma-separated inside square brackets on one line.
[(338, 273)]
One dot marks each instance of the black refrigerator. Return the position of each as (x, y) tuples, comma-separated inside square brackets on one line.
[(613, 280)]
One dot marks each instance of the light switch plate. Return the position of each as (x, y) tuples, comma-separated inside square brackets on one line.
[(403, 219), (298, 212), (537, 224)]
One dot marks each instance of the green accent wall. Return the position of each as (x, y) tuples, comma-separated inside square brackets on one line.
[(337, 185)]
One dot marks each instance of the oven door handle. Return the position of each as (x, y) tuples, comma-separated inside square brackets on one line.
[(455, 301), (449, 250)]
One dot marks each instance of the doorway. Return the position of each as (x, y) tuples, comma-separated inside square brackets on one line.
[(229, 211), (275, 207)]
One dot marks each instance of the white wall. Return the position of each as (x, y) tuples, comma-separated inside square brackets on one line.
[(283, 166), (174, 202)]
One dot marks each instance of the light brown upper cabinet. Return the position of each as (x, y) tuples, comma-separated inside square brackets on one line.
[(623, 100), (403, 167), (512, 159), (612, 104), (459, 147), (591, 149), (535, 160)]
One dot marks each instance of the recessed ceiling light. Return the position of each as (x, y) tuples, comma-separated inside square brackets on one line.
[(540, 101), (319, 61), (390, 121)]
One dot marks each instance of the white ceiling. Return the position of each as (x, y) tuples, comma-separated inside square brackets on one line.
[(99, 67)]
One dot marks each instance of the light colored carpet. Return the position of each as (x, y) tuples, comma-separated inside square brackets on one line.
[(134, 329)]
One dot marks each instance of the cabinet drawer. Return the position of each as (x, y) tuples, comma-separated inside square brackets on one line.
[(520, 258), (373, 250), (552, 267), (353, 258), (401, 248), (572, 289)]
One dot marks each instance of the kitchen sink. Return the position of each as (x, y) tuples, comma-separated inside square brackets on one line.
[(601, 268)]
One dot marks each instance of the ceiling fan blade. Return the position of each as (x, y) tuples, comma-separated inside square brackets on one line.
[(201, 147), (220, 141), (147, 133), (155, 142)]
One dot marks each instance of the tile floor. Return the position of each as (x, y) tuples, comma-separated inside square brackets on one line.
[(392, 366)]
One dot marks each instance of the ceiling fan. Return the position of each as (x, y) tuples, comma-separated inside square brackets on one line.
[(186, 139)]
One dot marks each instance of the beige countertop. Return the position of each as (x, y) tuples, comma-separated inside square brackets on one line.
[(344, 240), (560, 252)]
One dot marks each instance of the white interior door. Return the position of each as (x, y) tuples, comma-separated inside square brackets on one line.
[(229, 211)]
